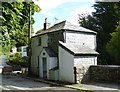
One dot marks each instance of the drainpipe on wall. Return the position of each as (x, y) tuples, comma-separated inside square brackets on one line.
[(38, 67)]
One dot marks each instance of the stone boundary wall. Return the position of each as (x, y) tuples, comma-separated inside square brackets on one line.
[(104, 73)]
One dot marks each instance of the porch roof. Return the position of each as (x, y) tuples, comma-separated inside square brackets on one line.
[(77, 49), (49, 51)]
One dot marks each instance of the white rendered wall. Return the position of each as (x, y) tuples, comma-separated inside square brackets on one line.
[(36, 50), (66, 66), (53, 62), (3, 60), (82, 39)]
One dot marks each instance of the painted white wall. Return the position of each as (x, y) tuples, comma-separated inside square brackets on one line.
[(66, 66), (85, 61), (82, 39), (53, 62), (3, 60), (34, 42), (36, 50), (44, 41)]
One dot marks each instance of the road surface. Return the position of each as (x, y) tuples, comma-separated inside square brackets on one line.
[(15, 83)]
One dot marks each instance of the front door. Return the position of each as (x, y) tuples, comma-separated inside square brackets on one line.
[(44, 60)]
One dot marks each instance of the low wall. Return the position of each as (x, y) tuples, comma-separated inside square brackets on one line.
[(108, 73)]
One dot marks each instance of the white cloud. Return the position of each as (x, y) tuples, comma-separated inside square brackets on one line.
[(47, 5), (51, 4), (82, 10)]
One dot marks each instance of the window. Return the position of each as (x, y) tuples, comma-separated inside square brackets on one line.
[(39, 41), (49, 40), (43, 53)]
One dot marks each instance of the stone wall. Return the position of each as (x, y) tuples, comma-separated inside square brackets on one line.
[(104, 73)]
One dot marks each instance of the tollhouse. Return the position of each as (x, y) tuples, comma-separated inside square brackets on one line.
[(63, 52)]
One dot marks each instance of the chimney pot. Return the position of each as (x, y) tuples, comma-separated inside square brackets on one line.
[(45, 20)]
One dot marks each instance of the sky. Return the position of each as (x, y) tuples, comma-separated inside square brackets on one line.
[(62, 10)]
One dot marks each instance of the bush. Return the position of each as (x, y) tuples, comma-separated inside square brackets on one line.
[(17, 59)]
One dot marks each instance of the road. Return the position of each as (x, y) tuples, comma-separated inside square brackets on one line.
[(15, 83)]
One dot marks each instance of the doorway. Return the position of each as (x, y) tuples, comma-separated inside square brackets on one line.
[(44, 60), (77, 74)]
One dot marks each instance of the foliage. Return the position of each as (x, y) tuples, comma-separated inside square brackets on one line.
[(113, 45), (17, 59), (15, 17), (88, 21), (39, 31), (107, 15), (103, 21)]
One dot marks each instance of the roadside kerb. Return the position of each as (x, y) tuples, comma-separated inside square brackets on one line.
[(56, 84), (78, 88), (38, 80)]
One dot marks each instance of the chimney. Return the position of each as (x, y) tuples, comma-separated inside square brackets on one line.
[(46, 25)]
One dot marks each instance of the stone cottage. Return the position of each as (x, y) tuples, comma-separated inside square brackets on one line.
[(62, 51)]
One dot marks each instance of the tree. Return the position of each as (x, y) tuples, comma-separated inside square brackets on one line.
[(103, 21), (39, 31), (15, 23), (113, 46), (107, 15), (88, 21)]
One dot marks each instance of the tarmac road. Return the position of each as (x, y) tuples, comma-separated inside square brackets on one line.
[(12, 83)]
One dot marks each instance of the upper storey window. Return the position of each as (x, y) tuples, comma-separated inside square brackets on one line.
[(39, 41)]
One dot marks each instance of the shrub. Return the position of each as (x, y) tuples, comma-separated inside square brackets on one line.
[(17, 59)]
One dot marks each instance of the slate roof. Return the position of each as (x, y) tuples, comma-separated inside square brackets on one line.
[(49, 52), (77, 49), (65, 25)]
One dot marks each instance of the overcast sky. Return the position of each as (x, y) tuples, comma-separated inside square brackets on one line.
[(62, 10)]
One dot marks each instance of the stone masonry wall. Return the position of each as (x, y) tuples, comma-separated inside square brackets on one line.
[(105, 73)]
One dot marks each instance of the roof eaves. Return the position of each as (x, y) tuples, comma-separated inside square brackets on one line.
[(88, 54), (66, 26), (69, 26)]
